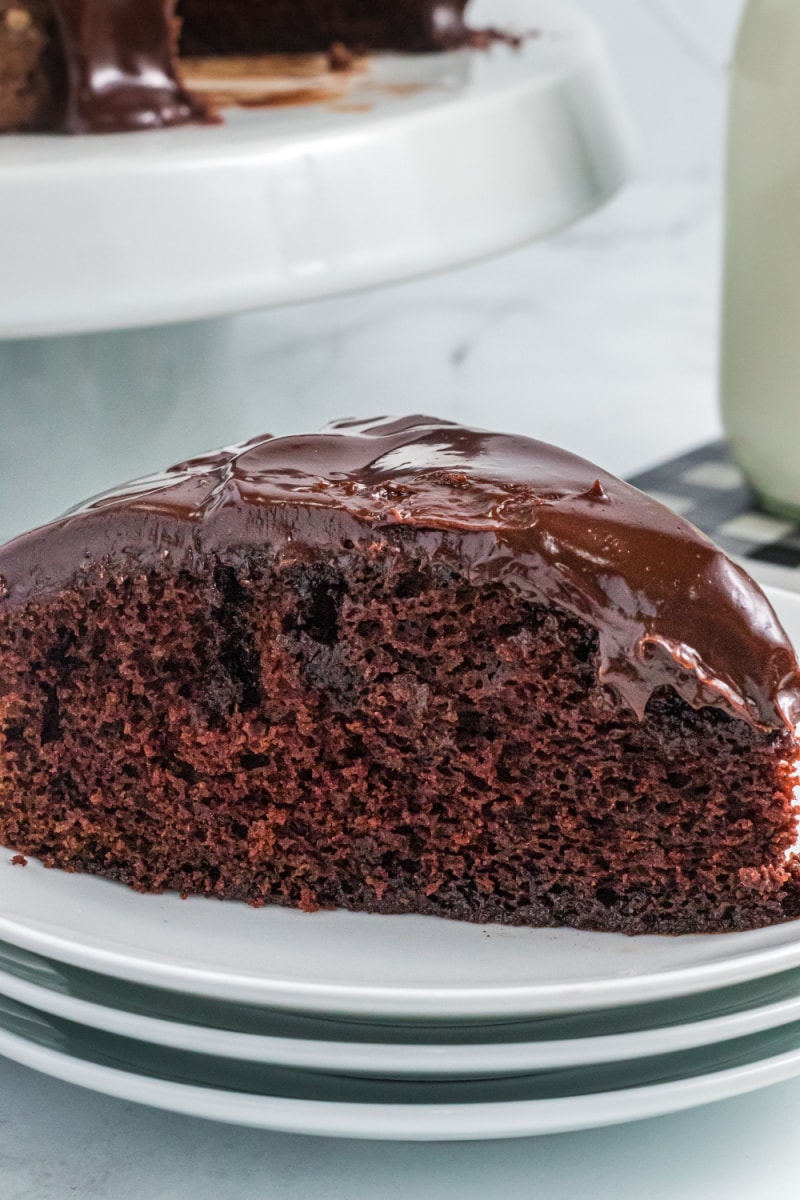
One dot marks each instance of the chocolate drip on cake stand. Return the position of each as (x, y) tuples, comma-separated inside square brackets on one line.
[(120, 67)]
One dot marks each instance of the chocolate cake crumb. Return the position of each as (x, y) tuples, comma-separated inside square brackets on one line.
[(31, 73)]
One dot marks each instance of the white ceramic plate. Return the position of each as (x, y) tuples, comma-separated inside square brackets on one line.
[(371, 966), (337, 1106), (420, 163), (387, 1051)]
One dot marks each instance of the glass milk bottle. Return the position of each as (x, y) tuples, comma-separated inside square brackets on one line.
[(761, 311)]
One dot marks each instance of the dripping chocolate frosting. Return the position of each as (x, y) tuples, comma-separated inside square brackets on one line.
[(120, 66), (669, 607), (120, 55)]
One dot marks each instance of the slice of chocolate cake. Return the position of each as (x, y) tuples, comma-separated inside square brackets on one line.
[(401, 666), (90, 66)]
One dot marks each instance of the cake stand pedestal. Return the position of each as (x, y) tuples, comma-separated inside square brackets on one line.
[(406, 165)]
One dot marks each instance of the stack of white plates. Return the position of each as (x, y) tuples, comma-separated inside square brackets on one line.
[(385, 1027)]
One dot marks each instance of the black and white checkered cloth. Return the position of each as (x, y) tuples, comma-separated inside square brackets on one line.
[(707, 488)]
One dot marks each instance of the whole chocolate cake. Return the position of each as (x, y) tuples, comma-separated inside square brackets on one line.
[(401, 666), (95, 66)]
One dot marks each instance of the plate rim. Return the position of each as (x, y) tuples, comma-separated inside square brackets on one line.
[(485, 1120)]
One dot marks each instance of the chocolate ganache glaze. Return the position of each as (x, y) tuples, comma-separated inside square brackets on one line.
[(120, 71), (120, 55), (669, 607)]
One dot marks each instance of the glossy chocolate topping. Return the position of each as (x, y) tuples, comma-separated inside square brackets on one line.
[(669, 607), (120, 66)]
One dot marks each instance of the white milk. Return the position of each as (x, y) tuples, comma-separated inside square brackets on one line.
[(761, 315)]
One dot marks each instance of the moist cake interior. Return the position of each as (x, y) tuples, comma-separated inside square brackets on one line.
[(377, 734)]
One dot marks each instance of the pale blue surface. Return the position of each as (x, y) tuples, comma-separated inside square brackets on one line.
[(57, 1141)]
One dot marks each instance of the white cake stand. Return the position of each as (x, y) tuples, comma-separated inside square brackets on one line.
[(408, 165)]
